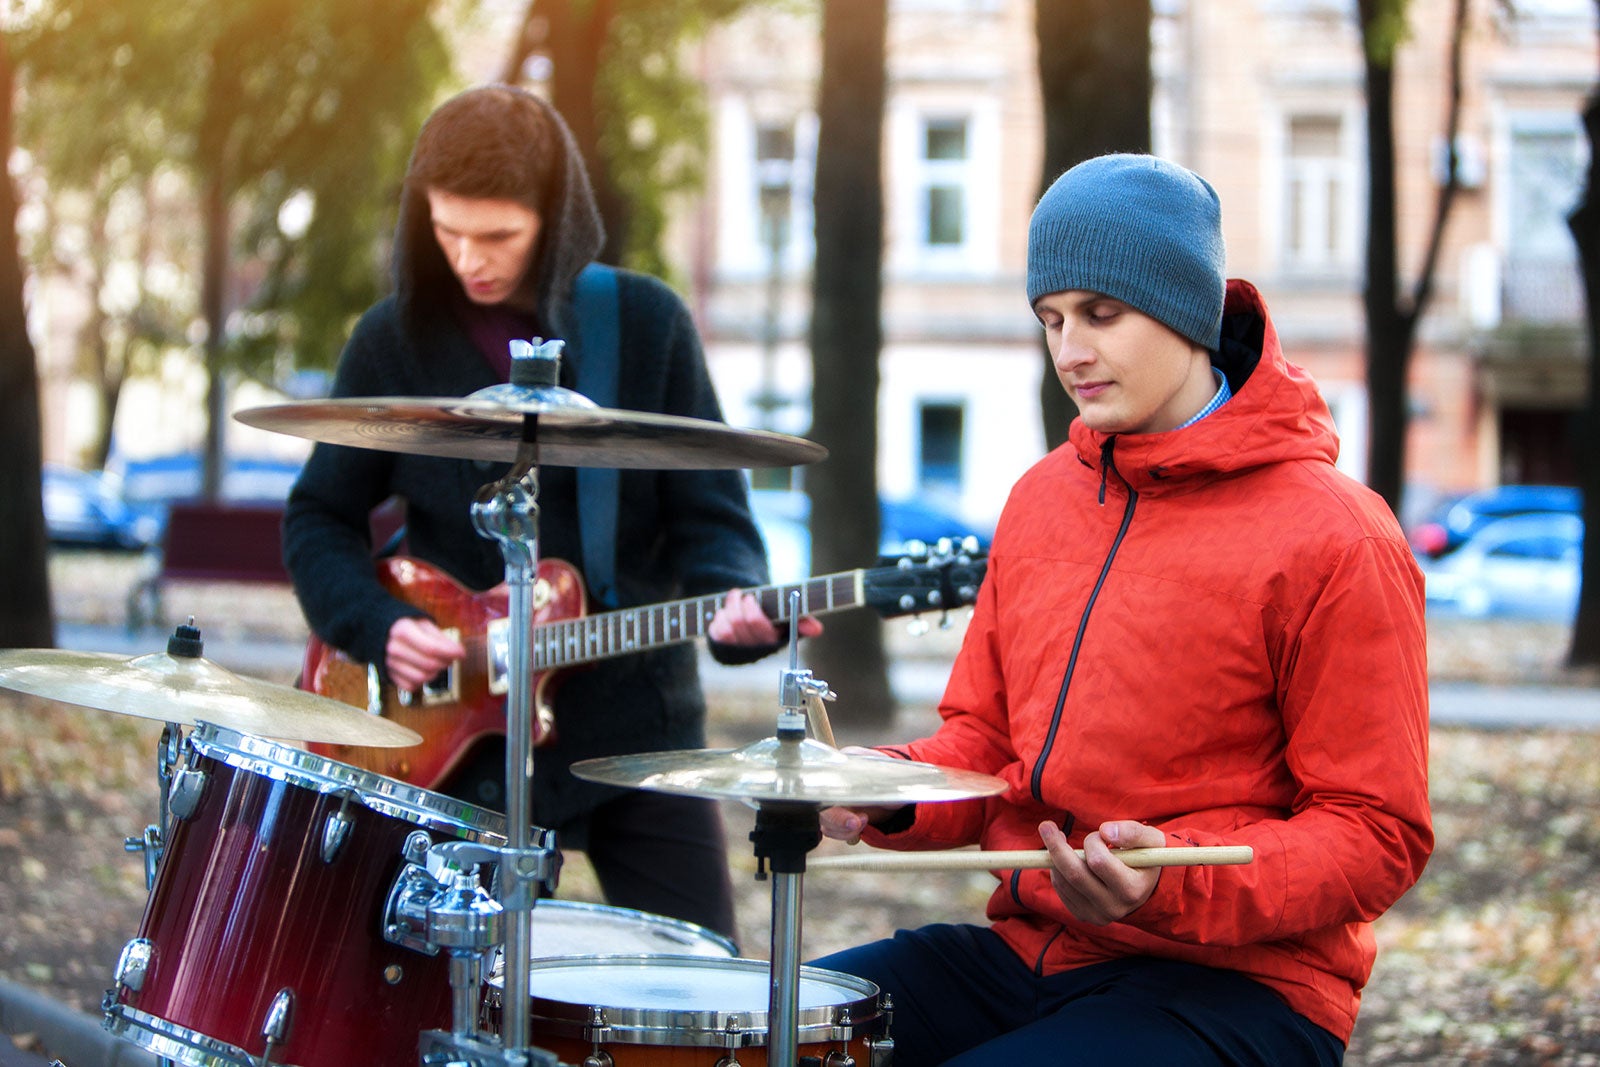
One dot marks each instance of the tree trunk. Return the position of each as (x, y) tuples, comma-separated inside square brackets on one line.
[(213, 306), (1585, 223), (846, 336), (578, 33), (1388, 335), (1094, 76), (25, 616), (1391, 323)]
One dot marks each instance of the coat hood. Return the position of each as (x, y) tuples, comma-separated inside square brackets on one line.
[(571, 235), (1276, 413)]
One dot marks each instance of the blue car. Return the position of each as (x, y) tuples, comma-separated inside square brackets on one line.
[(1526, 566), (1458, 520), (784, 518), (87, 508), (150, 486)]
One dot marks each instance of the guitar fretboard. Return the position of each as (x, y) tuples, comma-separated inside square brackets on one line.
[(614, 633)]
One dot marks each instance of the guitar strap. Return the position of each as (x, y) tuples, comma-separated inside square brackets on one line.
[(599, 488)]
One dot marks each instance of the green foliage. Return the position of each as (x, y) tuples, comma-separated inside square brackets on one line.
[(653, 116), (1386, 29), (276, 99)]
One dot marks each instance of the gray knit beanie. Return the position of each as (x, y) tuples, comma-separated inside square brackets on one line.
[(1137, 228)]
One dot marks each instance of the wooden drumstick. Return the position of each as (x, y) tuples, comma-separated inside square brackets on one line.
[(1026, 859)]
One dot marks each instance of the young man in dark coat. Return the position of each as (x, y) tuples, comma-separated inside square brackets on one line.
[(497, 219)]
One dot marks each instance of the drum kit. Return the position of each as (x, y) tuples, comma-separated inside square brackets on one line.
[(305, 912)]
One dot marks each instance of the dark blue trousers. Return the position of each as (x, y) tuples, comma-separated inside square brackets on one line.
[(961, 996)]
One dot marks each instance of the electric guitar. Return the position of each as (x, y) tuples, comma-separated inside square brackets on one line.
[(465, 702)]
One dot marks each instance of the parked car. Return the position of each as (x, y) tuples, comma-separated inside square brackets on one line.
[(1526, 566), (150, 486), (783, 516), (1459, 519), (86, 508)]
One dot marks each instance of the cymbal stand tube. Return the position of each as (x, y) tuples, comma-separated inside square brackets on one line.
[(508, 512), (784, 833)]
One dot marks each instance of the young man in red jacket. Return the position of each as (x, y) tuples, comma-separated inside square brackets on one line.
[(1193, 631)]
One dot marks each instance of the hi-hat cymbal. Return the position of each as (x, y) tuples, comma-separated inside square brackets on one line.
[(187, 690), (804, 771), (468, 428)]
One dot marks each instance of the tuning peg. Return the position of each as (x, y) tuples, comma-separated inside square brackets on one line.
[(917, 626), (944, 620)]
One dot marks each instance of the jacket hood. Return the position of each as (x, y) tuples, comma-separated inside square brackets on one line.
[(1276, 413), (571, 235)]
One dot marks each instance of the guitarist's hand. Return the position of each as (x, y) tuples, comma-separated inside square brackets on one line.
[(740, 621), (418, 650)]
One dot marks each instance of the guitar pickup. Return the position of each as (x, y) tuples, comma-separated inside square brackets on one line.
[(497, 638)]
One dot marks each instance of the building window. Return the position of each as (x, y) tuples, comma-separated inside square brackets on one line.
[(774, 172), (1317, 223), (1544, 178), (944, 167), (944, 141), (940, 427)]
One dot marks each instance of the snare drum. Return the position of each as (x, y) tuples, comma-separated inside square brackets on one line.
[(686, 1011), (263, 937)]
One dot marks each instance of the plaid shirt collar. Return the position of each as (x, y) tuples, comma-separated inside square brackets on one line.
[(1218, 399)]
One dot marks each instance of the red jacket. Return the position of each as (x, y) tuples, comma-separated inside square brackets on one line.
[(1214, 631)]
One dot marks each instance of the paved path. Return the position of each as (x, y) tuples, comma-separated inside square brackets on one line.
[(915, 681)]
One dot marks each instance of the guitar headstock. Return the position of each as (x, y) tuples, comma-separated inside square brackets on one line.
[(939, 577)]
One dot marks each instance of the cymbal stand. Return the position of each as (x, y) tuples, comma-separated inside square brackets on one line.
[(185, 641), (153, 841), (507, 512), (784, 832)]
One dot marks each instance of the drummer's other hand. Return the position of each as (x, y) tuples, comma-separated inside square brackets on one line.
[(1099, 888), (417, 650), (843, 824), (740, 621)]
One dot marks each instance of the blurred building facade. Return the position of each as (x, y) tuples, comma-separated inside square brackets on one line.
[(1265, 98)]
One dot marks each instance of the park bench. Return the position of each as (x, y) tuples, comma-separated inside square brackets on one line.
[(210, 542)]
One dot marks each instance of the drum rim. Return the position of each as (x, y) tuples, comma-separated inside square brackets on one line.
[(168, 1040), (693, 1027), (386, 796)]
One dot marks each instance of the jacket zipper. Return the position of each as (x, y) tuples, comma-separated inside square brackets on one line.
[(1036, 781)]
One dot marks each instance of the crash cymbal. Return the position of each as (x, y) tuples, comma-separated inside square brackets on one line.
[(774, 770), (187, 690), (567, 436)]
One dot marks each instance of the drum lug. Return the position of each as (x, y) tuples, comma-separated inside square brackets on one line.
[(839, 1058), (596, 1032), (881, 1049), (187, 787), (134, 963), (334, 832), (275, 1028)]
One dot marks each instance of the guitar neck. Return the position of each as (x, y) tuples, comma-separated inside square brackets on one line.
[(589, 638)]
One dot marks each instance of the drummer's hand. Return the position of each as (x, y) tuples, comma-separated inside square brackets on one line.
[(846, 824), (740, 621), (417, 650), (1099, 888)]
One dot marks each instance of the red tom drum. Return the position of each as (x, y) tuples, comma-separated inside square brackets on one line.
[(263, 937)]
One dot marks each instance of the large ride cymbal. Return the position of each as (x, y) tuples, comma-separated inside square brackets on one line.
[(805, 771), (468, 428), (187, 690)]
